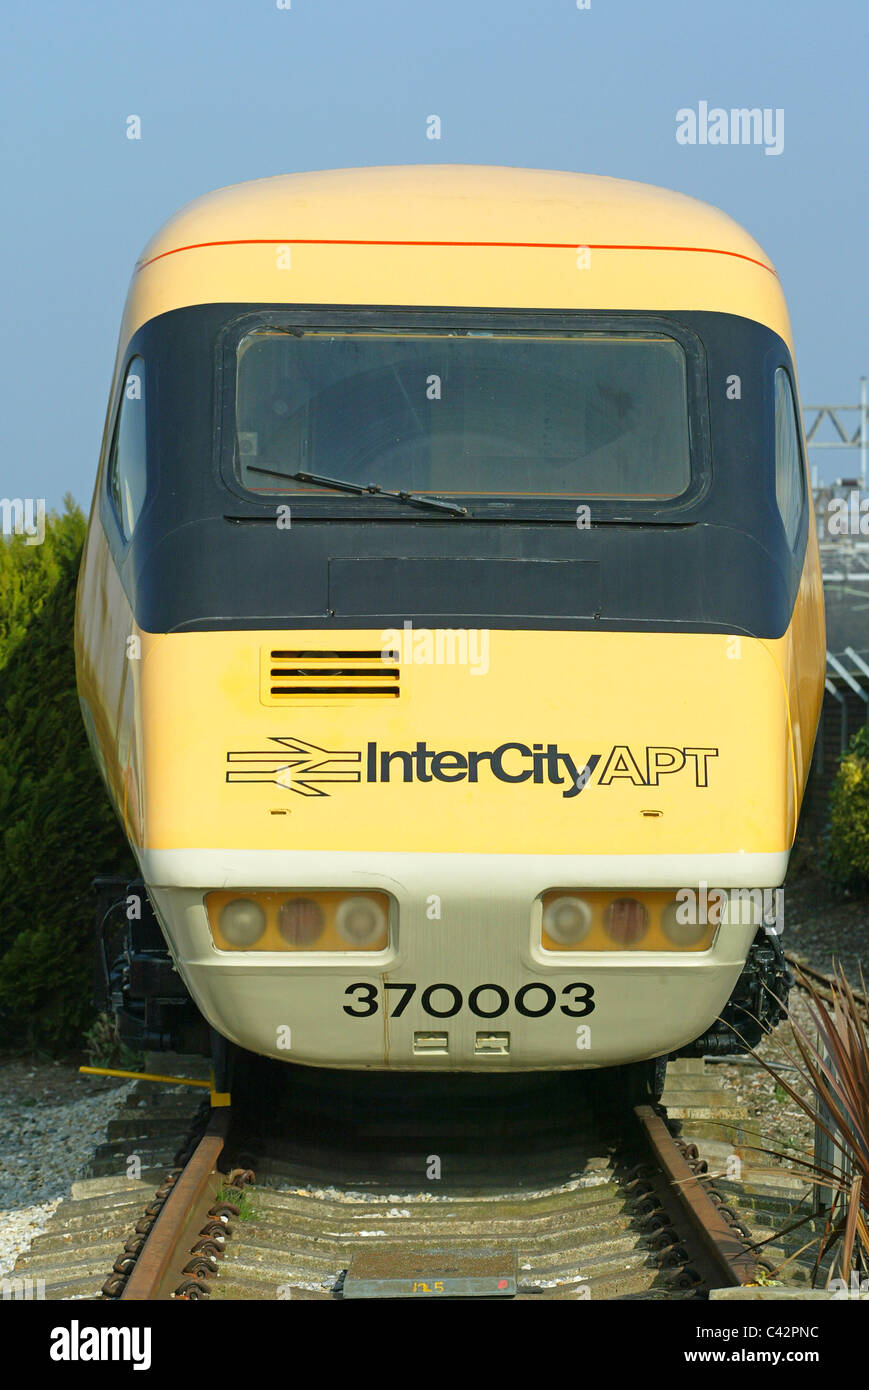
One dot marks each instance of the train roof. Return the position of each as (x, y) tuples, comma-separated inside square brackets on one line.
[(457, 235)]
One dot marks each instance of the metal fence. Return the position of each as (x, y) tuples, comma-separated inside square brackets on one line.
[(846, 699)]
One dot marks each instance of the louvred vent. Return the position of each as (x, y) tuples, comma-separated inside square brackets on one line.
[(292, 675)]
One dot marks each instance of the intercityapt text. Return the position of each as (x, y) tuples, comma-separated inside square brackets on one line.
[(539, 763)]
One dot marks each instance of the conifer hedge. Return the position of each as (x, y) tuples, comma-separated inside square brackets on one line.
[(57, 828), (848, 859)]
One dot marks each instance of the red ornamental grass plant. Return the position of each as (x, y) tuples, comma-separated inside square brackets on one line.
[(834, 1071)]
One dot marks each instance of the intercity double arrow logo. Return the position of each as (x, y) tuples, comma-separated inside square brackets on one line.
[(297, 766)]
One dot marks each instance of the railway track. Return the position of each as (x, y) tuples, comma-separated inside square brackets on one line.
[(651, 1230), (526, 1204), (533, 1188)]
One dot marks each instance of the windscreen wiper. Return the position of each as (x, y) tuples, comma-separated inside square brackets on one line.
[(438, 503)]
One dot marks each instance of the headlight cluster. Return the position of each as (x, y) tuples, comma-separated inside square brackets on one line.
[(606, 920), (298, 921)]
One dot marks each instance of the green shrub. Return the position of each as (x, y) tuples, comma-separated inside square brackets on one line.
[(848, 857), (57, 829), (105, 1049)]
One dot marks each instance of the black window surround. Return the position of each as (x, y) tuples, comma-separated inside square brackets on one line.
[(205, 555)]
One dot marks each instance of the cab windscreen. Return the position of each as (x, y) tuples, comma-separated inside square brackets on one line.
[(582, 414)]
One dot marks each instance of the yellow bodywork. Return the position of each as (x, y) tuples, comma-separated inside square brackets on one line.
[(198, 695)]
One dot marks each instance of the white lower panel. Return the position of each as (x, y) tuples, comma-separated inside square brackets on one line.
[(303, 1007)]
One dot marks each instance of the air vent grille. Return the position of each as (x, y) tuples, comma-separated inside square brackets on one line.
[(287, 676)]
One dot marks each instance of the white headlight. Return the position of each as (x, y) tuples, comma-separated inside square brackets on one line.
[(567, 920), (682, 933), (242, 922), (360, 920)]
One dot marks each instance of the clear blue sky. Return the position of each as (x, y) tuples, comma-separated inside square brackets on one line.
[(238, 89)]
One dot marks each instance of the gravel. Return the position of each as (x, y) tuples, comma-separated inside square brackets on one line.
[(783, 1127), (51, 1120), (825, 928)]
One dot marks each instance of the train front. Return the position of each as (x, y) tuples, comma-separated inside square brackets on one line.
[(479, 653)]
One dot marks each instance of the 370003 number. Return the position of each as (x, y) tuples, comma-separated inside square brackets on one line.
[(534, 1000)]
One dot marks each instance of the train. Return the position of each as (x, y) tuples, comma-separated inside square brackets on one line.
[(449, 630)]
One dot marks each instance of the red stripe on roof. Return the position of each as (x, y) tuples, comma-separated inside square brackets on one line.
[(533, 245)]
